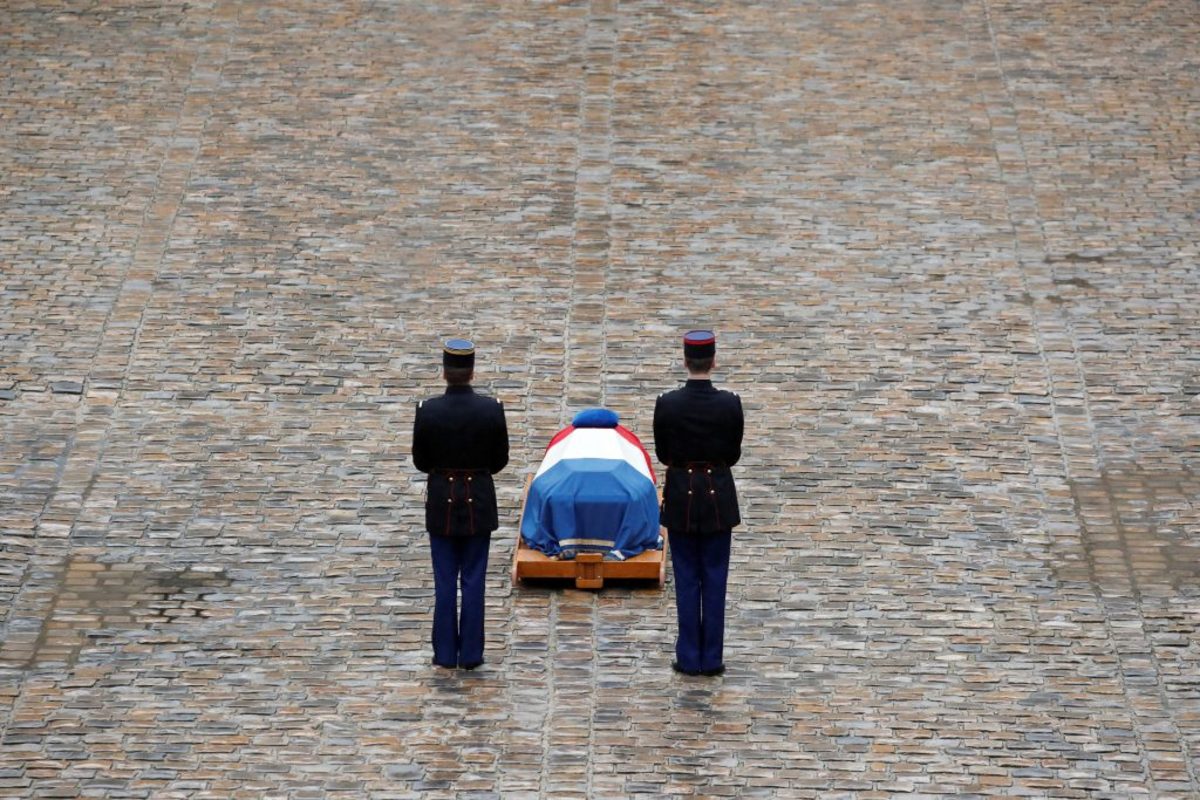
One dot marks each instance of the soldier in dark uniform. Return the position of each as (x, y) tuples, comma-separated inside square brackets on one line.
[(698, 435), (461, 440)]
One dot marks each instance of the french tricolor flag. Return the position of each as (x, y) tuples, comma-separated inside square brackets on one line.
[(593, 492)]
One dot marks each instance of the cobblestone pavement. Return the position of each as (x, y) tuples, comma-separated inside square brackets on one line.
[(951, 250)]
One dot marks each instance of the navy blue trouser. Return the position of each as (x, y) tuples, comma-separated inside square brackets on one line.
[(701, 569), (458, 639)]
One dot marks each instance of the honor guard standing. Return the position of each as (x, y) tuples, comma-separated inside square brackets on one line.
[(698, 436), (461, 440)]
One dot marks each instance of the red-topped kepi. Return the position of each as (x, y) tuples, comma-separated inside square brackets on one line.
[(699, 344)]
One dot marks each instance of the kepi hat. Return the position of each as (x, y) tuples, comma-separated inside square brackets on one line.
[(458, 353), (699, 344)]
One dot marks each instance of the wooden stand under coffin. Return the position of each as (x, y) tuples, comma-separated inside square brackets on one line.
[(588, 570)]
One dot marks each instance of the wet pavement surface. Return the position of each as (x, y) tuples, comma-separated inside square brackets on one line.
[(951, 253)]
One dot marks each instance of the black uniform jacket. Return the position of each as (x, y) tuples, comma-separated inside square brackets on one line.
[(461, 440), (698, 435)]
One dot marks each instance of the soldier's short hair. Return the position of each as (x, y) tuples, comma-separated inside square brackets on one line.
[(458, 376), (699, 364)]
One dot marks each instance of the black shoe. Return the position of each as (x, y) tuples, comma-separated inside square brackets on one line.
[(712, 673), (471, 666), (675, 665), (443, 666)]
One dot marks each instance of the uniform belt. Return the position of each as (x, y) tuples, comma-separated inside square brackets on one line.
[(691, 466)]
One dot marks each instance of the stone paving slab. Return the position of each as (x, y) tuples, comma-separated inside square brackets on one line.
[(950, 250)]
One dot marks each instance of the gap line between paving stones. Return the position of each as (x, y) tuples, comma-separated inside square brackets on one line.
[(571, 251), (174, 175), (610, 100), (593, 693), (610, 14), (590, 250), (551, 695), (74, 450), (60, 468), (60, 575), (587, 308), (83, 456), (1025, 272), (1088, 444), (1054, 381)]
